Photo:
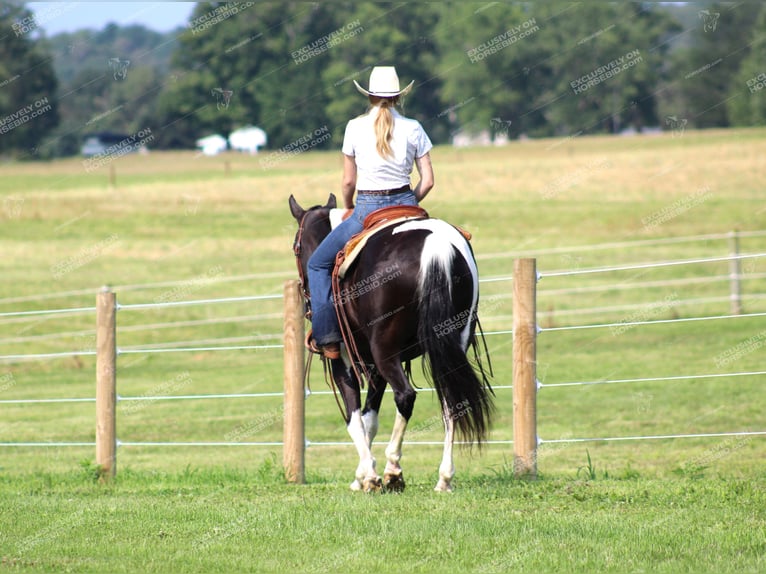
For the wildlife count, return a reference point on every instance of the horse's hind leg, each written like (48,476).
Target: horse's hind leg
(404,398)
(447,466)
(366,478)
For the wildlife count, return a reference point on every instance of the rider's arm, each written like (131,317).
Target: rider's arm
(348,185)
(426,171)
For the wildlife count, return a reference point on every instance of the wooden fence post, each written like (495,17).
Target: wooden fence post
(106,382)
(735,272)
(294,447)
(524,368)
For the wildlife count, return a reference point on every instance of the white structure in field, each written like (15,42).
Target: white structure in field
(248,139)
(212,145)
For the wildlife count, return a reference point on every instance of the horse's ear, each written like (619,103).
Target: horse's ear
(332,203)
(296,209)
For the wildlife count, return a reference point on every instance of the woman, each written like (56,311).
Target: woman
(379,149)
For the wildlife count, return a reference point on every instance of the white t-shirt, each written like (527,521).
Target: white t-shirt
(374,172)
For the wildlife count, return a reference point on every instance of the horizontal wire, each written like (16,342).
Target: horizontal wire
(202,342)
(194,349)
(198,302)
(74,310)
(652,379)
(388,390)
(496,279)
(140,286)
(198,397)
(653,437)
(45,356)
(130,443)
(406,442)
(423,443)
(645,284)
(647,265)
(614,308)
(658,321)
(197,322)
(422,389)
(506,332)
(37,401)
(617,245)
(47,312)
(151,327)
(47,444)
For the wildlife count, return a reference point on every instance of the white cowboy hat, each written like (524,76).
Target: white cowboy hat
(384,83)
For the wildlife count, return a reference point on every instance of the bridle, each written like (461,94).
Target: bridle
(297,246)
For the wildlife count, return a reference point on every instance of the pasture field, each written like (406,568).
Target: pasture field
(174,227)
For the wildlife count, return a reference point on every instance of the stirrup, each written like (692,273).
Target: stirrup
(323,351)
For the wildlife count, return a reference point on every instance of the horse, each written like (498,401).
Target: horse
(413,291)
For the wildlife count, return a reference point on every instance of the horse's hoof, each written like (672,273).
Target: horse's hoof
(443,486)
(393,482)
(372,484)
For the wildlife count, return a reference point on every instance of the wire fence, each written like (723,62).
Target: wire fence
(198,346)
(621,326)
(510,254)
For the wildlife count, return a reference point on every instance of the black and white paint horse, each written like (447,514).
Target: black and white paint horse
(413,291)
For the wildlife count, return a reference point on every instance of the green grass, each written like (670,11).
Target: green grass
(217,520)
(178,227)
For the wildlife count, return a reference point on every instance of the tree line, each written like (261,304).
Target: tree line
(507,69)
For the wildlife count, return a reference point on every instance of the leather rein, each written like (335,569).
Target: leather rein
(301,275)
(329,379)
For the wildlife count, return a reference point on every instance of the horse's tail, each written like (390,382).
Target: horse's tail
(444,334)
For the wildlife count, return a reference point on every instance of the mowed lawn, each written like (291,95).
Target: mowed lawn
(173,227)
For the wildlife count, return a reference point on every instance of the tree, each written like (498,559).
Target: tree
(491,61)
(746,105)
(289,68)
(28,106)
(234,67)
(553,68)
(109,81)
(400,35)
(705,72)
(606,64)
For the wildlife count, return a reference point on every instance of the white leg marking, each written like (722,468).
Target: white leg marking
(366,477)
(394,448)
(370,421)
(447,467)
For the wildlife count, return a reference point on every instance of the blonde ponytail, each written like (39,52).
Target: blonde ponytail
(384,125)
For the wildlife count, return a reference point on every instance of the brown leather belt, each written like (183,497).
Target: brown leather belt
(402,189)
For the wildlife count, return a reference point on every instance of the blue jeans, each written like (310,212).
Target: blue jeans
(324,321)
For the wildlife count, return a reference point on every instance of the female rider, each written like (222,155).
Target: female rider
(379,149)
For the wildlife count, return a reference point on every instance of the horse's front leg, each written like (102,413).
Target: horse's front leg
(375,392)
(447,466)
(366,478)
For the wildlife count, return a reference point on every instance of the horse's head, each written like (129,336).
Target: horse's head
(313,226)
